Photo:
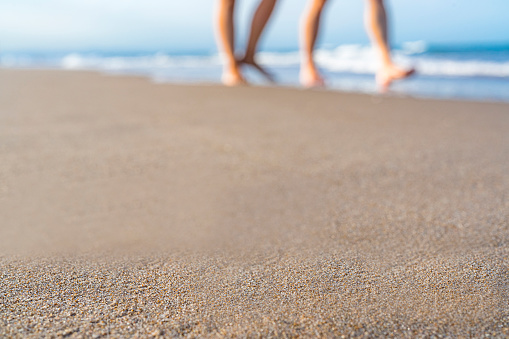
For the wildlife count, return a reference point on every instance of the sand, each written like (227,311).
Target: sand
(133,209)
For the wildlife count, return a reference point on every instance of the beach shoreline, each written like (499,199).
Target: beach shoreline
(134,208)
(340,83)
(471,72)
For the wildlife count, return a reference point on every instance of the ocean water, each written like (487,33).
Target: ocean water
(475,72)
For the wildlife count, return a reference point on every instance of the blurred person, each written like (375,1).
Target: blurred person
(225,32)
(377,27)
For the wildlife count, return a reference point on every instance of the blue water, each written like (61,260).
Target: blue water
(473,72)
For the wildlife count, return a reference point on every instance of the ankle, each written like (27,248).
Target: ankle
(248,57)
(309,66)
(387,64)
(231,68)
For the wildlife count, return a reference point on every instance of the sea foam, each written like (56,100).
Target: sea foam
(443,71)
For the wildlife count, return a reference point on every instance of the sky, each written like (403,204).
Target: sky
(179,26)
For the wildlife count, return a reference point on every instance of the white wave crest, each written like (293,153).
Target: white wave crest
(156,61)
(355,59)
(363,60)
(462,68)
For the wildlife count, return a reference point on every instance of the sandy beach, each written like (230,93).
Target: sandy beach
(134,209)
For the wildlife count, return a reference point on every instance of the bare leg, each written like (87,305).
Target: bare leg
(260,19)
(376,25)
(226,42)
(310,24)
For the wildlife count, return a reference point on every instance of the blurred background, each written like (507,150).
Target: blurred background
(460,48)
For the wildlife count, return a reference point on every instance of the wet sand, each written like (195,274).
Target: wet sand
(136,209)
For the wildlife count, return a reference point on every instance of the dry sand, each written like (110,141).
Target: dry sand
(135,209)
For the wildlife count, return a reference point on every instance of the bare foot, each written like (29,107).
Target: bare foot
(311,78)
(252,63)
(386,75)
(233,77)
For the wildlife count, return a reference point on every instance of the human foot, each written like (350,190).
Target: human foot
(386,75)
(232,77)
(252,63)
(311,78)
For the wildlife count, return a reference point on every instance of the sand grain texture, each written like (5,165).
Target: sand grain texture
(136,209)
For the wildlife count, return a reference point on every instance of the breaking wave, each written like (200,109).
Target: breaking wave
(355,59)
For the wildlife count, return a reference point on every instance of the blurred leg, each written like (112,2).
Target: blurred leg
(260,19)
(376,25)
(226,42)
(310,25)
